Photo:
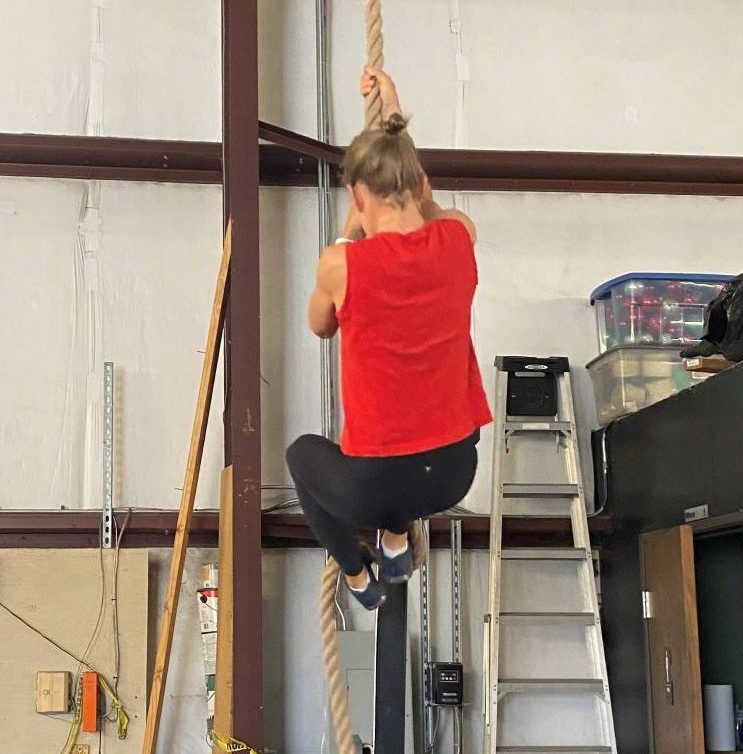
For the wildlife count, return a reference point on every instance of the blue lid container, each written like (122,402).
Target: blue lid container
(654,308)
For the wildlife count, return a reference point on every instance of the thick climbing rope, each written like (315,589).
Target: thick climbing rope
(373,119)
(374,58)
(418,543)
(337,696)
(337,693)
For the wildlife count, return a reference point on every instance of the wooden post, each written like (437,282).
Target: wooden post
(223,722)
(195,451)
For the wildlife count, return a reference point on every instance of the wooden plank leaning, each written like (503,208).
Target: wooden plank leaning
(180,545)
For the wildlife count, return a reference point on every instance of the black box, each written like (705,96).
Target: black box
(532,383)
(445,684)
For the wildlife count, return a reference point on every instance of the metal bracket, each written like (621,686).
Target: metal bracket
(108,455)
(425,650)
(456,589)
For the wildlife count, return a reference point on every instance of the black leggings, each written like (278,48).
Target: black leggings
(341,493)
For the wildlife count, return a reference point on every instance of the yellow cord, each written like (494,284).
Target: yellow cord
(122,719)
(230,744)
(76,721)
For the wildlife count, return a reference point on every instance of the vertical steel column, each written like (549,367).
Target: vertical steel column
(242,357)
(327,355)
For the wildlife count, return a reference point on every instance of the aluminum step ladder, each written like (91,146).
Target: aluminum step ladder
(545,682)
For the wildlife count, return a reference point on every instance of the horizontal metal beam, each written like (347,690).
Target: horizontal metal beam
(48,529)
(280,166)
(109,158)
(583,172)
(582,166)
(290,159)
(299,143)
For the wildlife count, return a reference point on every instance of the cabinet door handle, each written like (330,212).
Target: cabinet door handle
(668,686)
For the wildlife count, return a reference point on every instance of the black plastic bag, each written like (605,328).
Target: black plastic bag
(723,324)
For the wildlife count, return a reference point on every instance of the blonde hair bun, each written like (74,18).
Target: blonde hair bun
(385,160)
(395,124)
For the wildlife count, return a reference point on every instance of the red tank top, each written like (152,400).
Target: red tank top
(409,377)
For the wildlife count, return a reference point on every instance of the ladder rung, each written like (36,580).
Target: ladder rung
(545,553)
(537,507)
(540,490)
(585,619)
(550,685)
(598,749)
(531,426)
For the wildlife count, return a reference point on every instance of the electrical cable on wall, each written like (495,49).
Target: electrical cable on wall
(76,720)
(117,712)
(122,716)
(115,611)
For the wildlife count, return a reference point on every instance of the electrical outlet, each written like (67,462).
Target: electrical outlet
(81,749)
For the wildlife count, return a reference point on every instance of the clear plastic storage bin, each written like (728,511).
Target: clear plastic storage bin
(660,309)
(626,379)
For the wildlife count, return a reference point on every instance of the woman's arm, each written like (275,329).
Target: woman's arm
(329,288)
(372,78)
(322,319)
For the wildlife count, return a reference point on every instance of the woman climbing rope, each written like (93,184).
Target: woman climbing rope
(399,286)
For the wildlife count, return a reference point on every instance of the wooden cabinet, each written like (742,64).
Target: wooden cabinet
(675,684)
(693,619)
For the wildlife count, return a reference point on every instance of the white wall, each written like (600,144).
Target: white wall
(112,68)
(615,75)
(593,75)
(141,299)
(605,76)
(37,296)
(290,359)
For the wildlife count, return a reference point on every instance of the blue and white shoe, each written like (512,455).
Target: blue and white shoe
(397,569)
(372,596)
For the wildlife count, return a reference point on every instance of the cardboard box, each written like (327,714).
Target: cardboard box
(53,691)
